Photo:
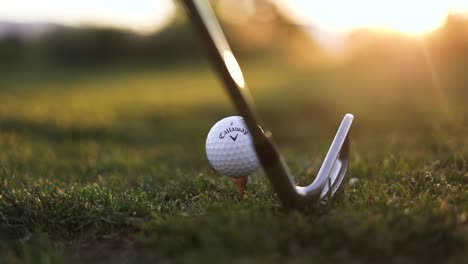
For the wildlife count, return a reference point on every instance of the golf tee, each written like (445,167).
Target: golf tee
(240,183)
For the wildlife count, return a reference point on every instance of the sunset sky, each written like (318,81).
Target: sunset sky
(415,16)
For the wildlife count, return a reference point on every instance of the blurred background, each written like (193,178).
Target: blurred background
(300,32)
(107,64)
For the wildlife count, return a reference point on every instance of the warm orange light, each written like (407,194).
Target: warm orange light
(414,17)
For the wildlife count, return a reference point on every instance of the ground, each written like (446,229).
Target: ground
(107,165)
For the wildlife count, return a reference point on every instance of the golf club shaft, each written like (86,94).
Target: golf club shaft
(225,64)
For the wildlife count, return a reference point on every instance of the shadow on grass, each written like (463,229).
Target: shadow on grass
(128,129)
(51,131)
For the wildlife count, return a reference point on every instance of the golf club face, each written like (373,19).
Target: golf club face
(335,164)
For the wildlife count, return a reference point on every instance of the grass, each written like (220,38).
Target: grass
(109,166)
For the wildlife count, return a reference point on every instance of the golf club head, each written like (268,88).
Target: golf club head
(335,164)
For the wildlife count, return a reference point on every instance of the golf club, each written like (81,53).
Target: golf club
(335,164)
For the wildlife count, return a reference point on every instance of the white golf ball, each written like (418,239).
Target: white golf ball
(230,149)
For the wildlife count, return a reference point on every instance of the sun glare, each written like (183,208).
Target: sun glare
(411,17)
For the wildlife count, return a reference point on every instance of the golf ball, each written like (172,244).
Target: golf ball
(230,149)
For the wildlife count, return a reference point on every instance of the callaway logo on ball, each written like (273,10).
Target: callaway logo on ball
(230,150)
(236,130)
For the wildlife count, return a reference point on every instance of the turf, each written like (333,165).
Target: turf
(108,166)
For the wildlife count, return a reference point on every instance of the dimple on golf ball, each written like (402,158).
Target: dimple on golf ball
(230,149)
